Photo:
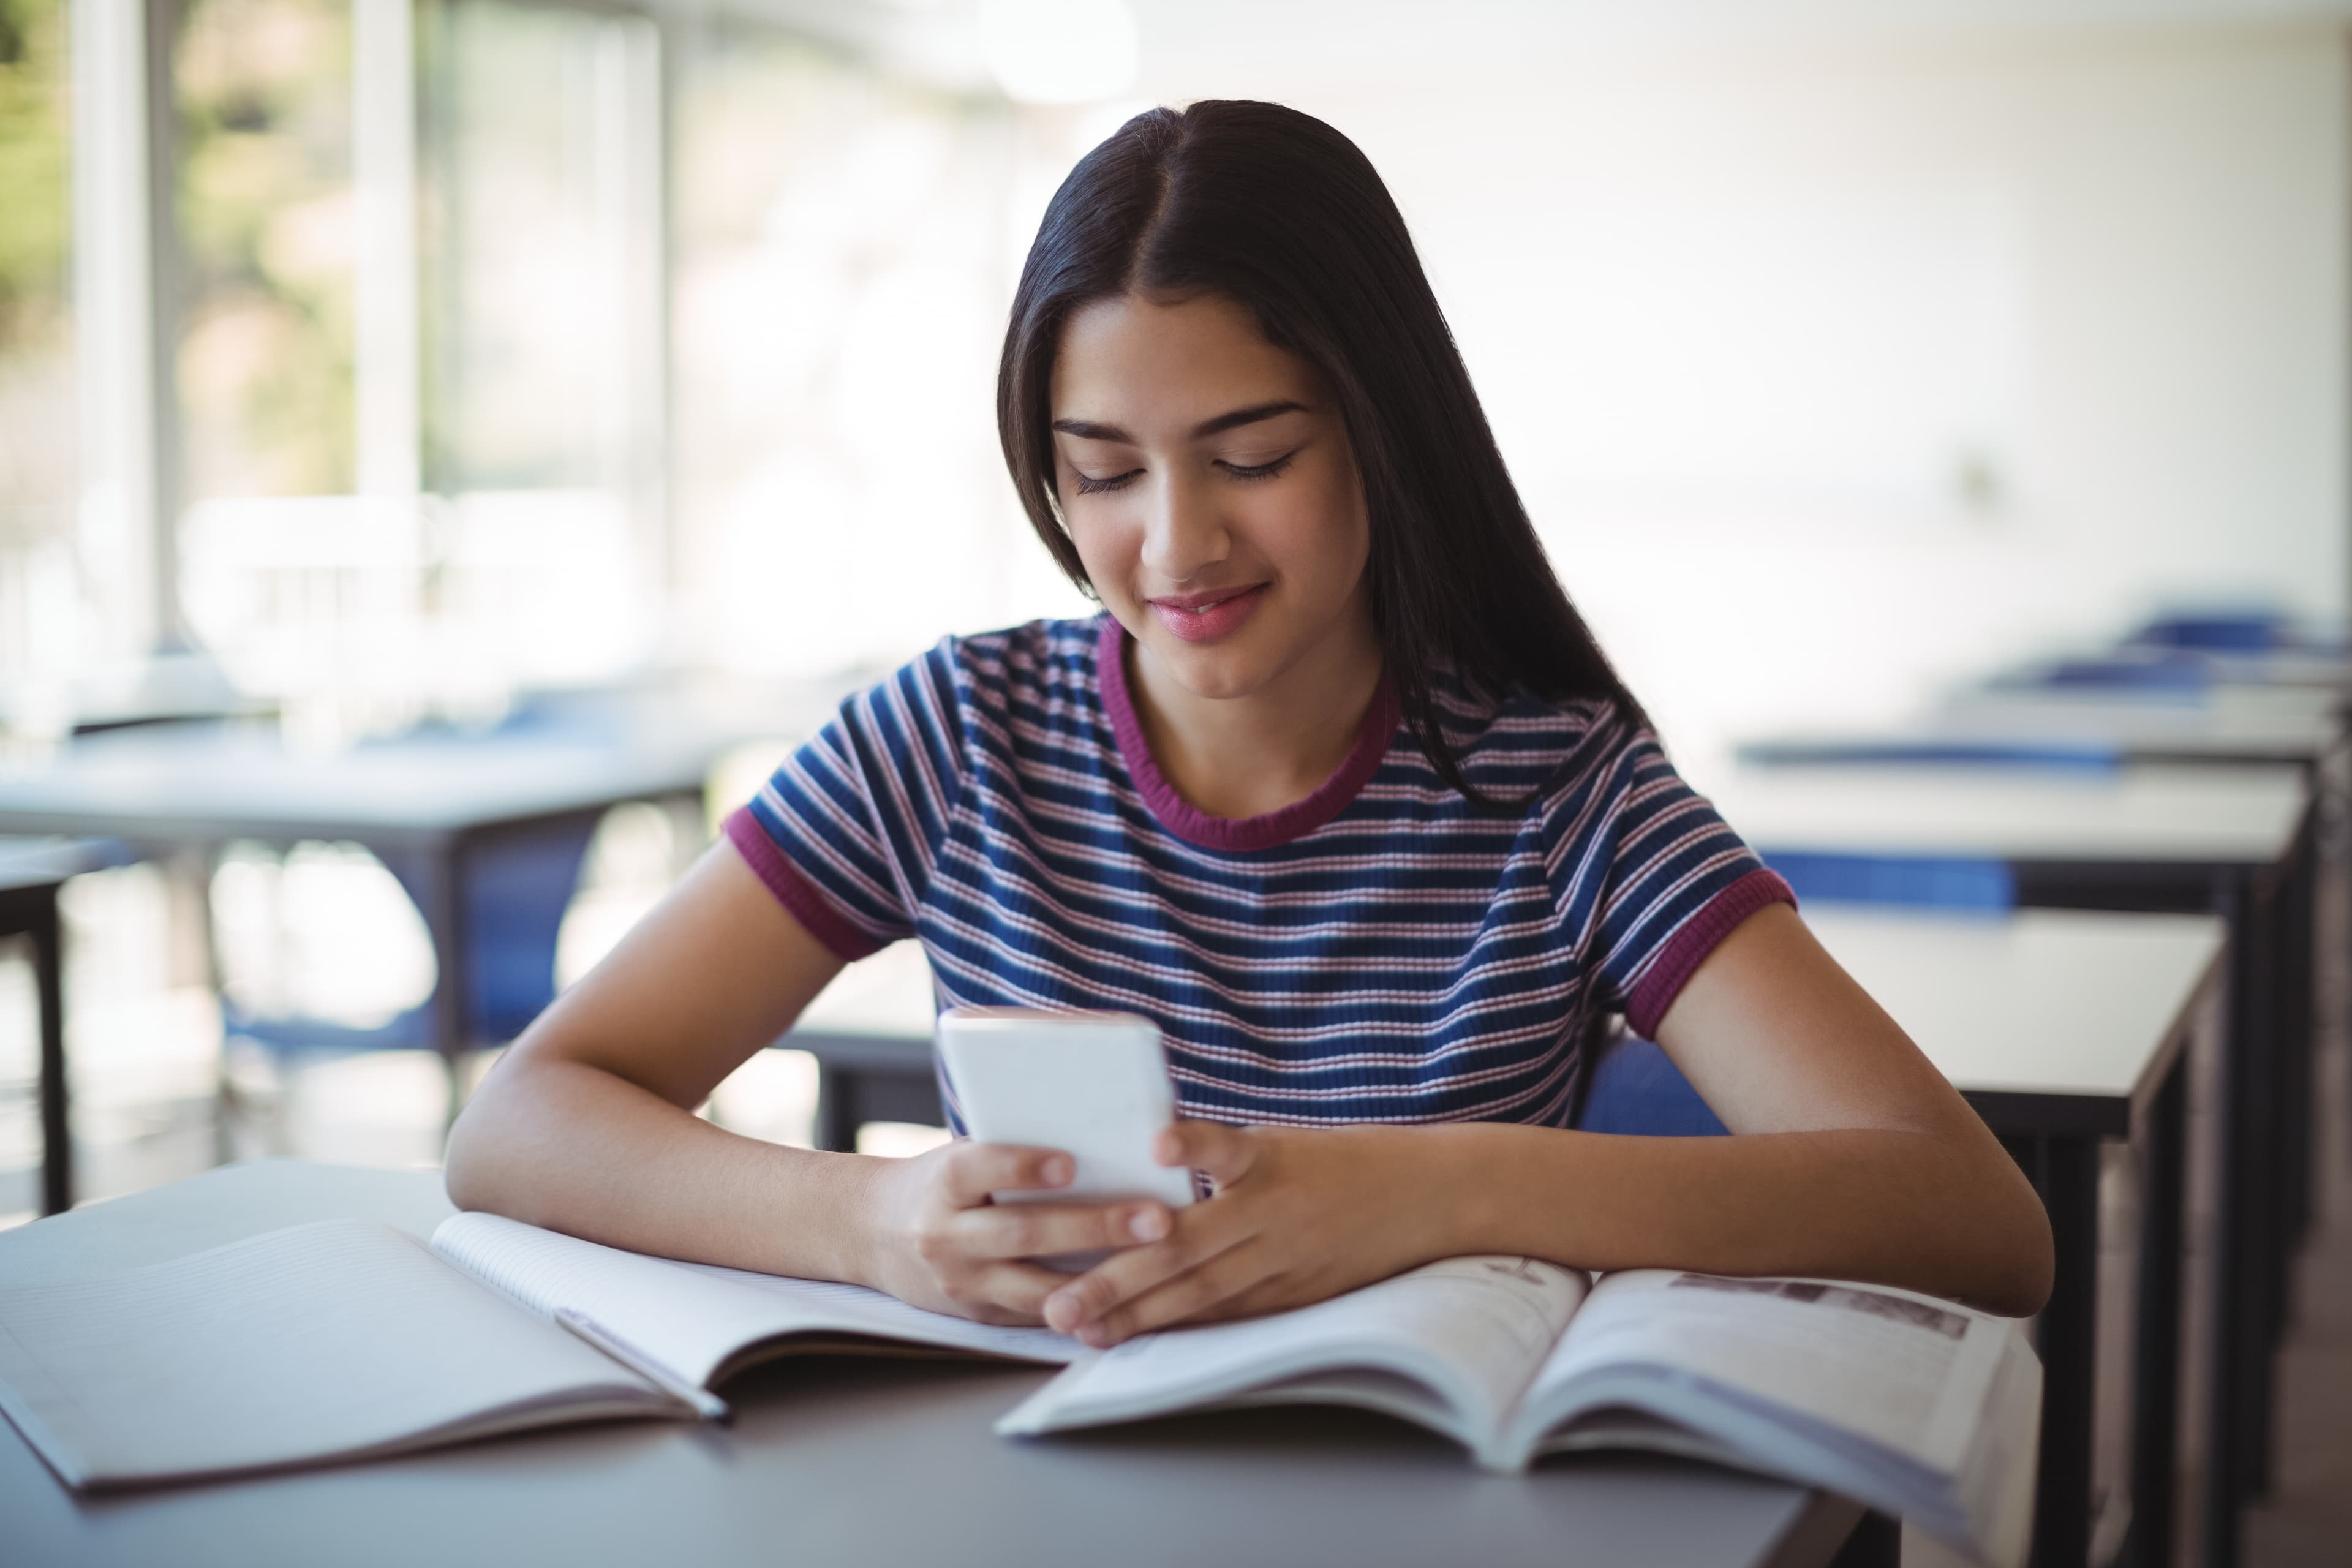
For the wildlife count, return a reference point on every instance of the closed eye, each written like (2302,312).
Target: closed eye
(1089,485)
(1258,470)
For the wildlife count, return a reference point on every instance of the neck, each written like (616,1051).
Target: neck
(1245,756)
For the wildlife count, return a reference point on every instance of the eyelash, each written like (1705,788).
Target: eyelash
(1246,473)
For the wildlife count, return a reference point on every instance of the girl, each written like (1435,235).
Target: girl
(1339,790)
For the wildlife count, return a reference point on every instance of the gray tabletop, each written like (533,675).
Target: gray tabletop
(45,862)
(205,782)
(2075,1010)
(855,1462)
(2149,814)
(2246,726)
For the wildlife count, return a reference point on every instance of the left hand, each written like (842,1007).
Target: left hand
(1299,1215)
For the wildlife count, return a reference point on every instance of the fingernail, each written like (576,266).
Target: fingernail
(1061,1312)
(1057,1170)
(1148,1225)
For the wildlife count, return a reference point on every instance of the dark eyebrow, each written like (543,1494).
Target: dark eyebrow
(1086,430)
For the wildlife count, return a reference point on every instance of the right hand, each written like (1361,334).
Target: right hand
(935,1240)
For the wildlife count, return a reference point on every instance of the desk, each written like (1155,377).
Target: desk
(2235,842)
(423,805)
(2129,731)
(2064,1029)
(30,874)
(858,1463)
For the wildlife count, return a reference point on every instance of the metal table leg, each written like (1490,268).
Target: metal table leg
(2238,1411)
(2155,1405)
(2065,1171)
(31,910)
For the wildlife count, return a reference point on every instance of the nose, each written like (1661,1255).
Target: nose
(1183,533)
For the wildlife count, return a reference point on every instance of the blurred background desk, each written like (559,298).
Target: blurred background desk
(485,833)
(2068,1030)
(2236,842)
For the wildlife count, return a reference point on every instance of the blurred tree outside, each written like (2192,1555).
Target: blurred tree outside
(36,407)
(266,237)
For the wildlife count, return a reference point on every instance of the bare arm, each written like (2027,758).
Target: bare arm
(1852,1157)
(586,1126)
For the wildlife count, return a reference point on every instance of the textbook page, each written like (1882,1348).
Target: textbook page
(330,1340)
(694,1317)
(1906,1371)
(1474,1330)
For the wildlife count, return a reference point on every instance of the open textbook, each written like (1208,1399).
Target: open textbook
(348,1338)
(1913,1405)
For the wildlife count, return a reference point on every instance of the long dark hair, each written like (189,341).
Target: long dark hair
(1277,211)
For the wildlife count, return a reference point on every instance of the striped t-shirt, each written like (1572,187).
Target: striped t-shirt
(1381,951)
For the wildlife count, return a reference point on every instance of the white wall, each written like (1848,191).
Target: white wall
(1835,371)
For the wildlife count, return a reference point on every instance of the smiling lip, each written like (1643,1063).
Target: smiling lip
(1205,617)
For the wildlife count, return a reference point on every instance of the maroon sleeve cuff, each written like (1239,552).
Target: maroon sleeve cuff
(1688,948)
(792,891)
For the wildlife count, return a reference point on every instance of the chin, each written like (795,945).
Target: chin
(1216,671)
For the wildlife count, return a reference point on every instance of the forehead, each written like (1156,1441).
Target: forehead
(1135,362)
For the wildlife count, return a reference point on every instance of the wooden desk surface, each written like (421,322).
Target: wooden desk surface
(857,1462)
(2149,814)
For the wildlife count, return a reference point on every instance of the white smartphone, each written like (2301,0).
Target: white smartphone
(1094,1085)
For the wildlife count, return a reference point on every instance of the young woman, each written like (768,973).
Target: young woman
(1339,791)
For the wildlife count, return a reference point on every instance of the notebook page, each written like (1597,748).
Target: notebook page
(327,1339)
(693,1316)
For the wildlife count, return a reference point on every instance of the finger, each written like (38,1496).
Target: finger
(973,1171)
(1225,1153)
(1015,1294)
(1199,1234)
(1193,1295)
(1041,1230)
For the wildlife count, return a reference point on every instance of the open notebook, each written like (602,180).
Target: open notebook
(348,1338)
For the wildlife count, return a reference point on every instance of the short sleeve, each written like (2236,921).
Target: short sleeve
(1659,883)
(846,832)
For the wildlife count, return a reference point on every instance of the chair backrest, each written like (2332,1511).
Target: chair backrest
(1633,1088)
(515,892)
(1906,881)
(2251,631)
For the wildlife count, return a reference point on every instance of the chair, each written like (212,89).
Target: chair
(515,893)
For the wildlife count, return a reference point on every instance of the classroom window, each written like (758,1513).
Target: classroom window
(839,292)
(38,477)
(262,93)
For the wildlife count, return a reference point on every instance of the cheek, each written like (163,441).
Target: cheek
(1105,546)
(1319,533)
